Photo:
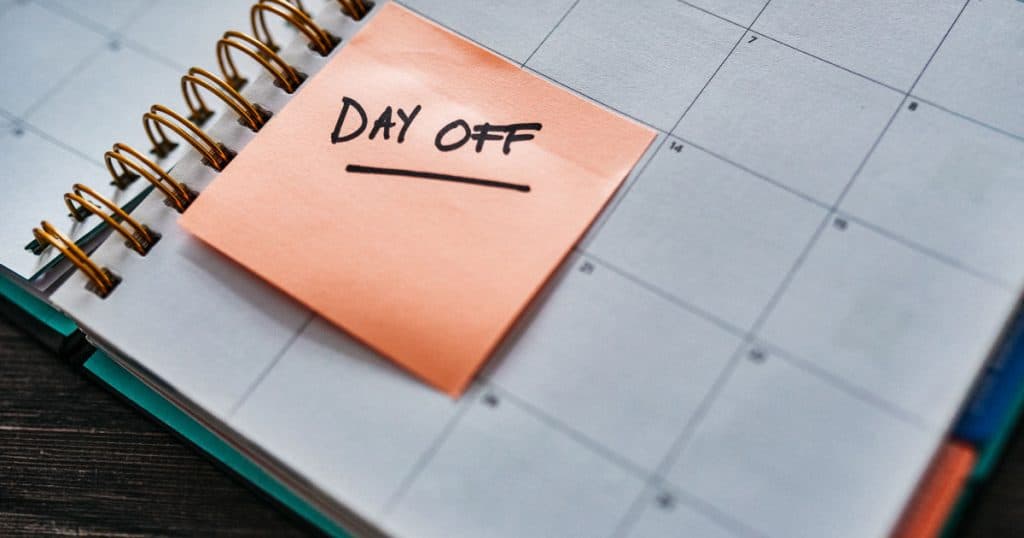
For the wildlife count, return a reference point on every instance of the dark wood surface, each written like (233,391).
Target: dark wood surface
(75,460)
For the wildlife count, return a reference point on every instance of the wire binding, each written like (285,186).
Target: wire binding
(285,76)
(319,40)
(298,4)
(159,116)
(249,114)
(126,164)
(178,195)
(102,281)
(357,9)
(139,237)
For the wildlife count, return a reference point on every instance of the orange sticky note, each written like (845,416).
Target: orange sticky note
(423,229)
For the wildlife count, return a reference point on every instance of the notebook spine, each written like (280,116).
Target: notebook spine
(126,164)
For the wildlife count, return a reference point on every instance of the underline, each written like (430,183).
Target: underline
(360,169)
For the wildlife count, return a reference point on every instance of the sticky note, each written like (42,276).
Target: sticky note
(417,192)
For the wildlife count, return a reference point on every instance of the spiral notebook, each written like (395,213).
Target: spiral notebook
(768,331)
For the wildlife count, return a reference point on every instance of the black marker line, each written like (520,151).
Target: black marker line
(360,169)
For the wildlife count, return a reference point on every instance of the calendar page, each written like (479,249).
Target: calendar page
(768,332)
(773,326)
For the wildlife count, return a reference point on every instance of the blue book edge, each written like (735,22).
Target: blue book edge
(128,386)
(988,456)
(990,416)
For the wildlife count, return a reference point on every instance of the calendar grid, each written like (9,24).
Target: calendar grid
(721,17)
(551,421)
(458,33)
(829,62)
(23,117)
(153,55)
(62,83)
(985,276)
(738,528)
(833,207)
(115,36)
(94,26)
(903,102)
(911,419)
(676,451)
(270,365)
(612,457)
(612,207)
(658,480)
(767,179)
(18,123)
(552,31)
(787,280)
(970,119)
(680,302)
(909,93)
(659,477)
(471,398)
(747,337)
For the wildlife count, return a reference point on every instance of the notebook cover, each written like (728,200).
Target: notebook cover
(991,417)
(120,381)
(37,318)
(995,398)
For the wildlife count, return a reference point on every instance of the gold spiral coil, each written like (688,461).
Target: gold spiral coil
(319,40)
(298,4)
(134,165)
(285,76)
(197,77)
(357,9)
(139,237)
(101,280)
(126,164)
(159,116)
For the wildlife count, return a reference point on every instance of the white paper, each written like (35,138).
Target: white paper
(768,332)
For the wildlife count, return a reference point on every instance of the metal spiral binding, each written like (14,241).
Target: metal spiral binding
(101,280)
(126,164)
(319,39)
(249,114)
(137,236)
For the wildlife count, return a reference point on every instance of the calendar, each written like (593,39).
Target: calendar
(768,331)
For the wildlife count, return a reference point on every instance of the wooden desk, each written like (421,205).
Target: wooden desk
(76,460)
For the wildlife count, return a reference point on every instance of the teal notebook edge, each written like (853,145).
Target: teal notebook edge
(37,308)
(119,380)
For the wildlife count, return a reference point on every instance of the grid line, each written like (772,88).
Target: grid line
(270,365)
(859,74)
(677,451)
(428,455)
(637,507)
(555,27)
(748,336)
(619,198)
